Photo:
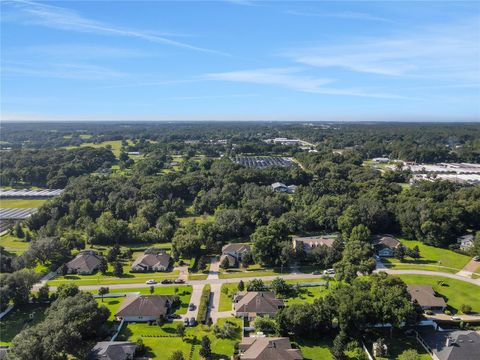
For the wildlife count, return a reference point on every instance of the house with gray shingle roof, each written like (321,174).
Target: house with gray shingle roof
(426,298)
(385,245)
(85,263)
(113,350)
(152,262)
(450,344)
(144,308)
(235,252)
(256,303)
(268,348)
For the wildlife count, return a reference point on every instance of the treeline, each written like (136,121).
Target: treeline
(51,168)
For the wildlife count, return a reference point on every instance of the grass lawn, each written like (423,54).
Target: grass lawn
(432,258)
(13,244)
(115,144)
(307,295)
(200,219)
(318,349)
(18,319)
(161,342)
(184,293)
(456,292)
(21,203)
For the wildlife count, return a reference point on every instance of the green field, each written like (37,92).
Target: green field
(184,292)
(115,144)
(431,258)
(161,342)
(21,203)
(13,244)
(18,319)
(318,349)
(456,292)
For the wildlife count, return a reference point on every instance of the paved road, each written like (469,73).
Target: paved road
(286,277)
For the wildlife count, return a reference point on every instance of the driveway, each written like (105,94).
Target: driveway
(443,317)
(471,267)
(195,299)
(214,269)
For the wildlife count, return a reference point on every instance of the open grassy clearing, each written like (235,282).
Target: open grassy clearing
(13,244)
(115,144)
(456,292)
(162,341)
(317,349)
(431,258)
(18,319)
(21,203)
(184,292)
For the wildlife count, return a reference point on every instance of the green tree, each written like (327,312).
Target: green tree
(103,291)
(410,354)
(152,289)
(280,287)
(44,293)
(241,286)
(205,351)
(103,265)
(256,285)
(117,269)
(176,355)
(180,330)
(67,290)
(266,325)
(356,258)
(18,231)
(360,233)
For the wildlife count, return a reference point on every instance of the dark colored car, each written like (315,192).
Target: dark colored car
(191,306)
(166,281)
(192,321)
(185,321)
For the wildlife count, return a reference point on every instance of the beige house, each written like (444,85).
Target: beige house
(256,303)
(308,243)
(85,263)
(152,262)
(234,253)
(144,308)
(268,348)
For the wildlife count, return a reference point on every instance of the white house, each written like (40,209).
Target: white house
(466,242)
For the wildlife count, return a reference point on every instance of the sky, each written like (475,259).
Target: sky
(240,60)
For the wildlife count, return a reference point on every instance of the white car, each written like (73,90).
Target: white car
(456,318)
(329,272)
(150,282)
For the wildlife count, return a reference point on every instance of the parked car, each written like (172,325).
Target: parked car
(150,282)
(378,258)
(166,281)
(192,322)
(185,321)
(191,306)
(329,272)
(179,281)
(476,258)
(456,318)
(316,272)
(173,316)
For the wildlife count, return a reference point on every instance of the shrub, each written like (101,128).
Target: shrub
(203,306)
(429,312)
(229,330)
(466,309)
(448,312)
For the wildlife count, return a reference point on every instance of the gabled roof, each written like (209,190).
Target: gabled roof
(278,185)
(452,344)
(150,260)
(425,296)
(268,348)
(144,305)
(85,261)
(258,302)
(386,241)
(238,248)
(319,240)
(112,350)
(232,261)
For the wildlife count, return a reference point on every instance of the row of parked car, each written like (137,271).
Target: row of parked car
(165,281)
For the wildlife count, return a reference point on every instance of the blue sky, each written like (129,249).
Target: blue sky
(240,60)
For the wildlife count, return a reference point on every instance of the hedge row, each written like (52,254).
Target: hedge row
(203,306)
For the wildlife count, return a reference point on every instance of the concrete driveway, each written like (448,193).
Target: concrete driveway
(195,299)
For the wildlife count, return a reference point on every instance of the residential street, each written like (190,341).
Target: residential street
(269,278)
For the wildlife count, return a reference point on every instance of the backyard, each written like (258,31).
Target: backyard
(18,319)
(162,341)
(431,258)
(396,343)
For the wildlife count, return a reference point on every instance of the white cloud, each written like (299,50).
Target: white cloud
(436,52)
(290,78)
(28,12)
